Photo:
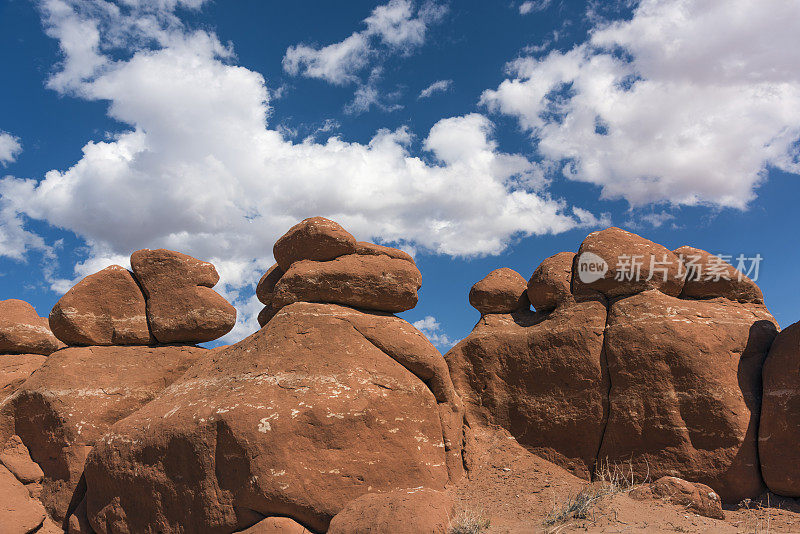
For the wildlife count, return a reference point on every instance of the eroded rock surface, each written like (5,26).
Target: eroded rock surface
(418,511)
(22,331)
(501,291)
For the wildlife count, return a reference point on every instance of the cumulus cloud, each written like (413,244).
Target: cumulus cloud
(689,102)
(10,147)
(433,331)
(439,86)
(198,169)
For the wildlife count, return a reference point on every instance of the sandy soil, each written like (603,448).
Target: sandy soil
(517,491)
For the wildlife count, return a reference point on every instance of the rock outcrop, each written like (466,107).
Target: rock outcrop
(105,308)
(319,261)
(708,276)
(501,291)
(324,404)
(181,306)
(616,367)
(779,431)
(22,331)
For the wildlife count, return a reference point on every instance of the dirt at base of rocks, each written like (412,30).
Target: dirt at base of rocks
(517,491)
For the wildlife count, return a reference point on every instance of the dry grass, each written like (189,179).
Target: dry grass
(469,522)
(759,517)
(608,480)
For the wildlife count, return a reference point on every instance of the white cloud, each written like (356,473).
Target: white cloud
(200,171)
(395,27)
(10,148)
(532,6)
(439,86)
(689,102)
(433,331)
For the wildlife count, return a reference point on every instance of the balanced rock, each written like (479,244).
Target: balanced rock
(540,376)
(708,276)
(370,282)
(779,430)
(105,308)
(15,369)
(551,282)
(501,291)
(417,511)
(616,263)
(322,405)
(686,390)
(181,306)
(317,239)
(22,331)
(265,290)
(75,397)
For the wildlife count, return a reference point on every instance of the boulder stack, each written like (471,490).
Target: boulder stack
(627,362)
(324,404)
(319,261)
(116,325)
(501,291)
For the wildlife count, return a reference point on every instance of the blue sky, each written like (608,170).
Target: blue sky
(210,127)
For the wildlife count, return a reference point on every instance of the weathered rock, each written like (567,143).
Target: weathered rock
(417,511)
(181,306)
(686,390)
(15,369)
(371,249)
(696,497)
(779,429)
(105,308)
(317,408)
(708,276)
(634,264)
(266,313)
(75,397)
(540,376)
(501,291)
(277,525)
(22,331)
(550,285)
(266,286)
(369,282)
(19,513)
(317,239)
(17,459)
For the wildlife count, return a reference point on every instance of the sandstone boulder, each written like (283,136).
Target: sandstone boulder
(779,430)
(16,458)
(501,291)
(317,239)
(265,290)
(19,513)
(105,308)
(322,405)
(22,331)
(686,390)
(632,264)
(708,276)
(276,525)
(418,511)
(181,306)
(15,369)
(550,284)
(369,282)
(364,248)
(266,313)
(75,397)
(696,497)
(541,377)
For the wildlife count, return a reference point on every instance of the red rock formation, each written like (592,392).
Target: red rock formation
(105,308)
(417,511)
(779,432)
(550,283)
(322,405)
(697,497)
(501,291)
(316,239)
(75,397)
(19,512)
(181,306)
(15,369)
(708,276)
(22,331)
